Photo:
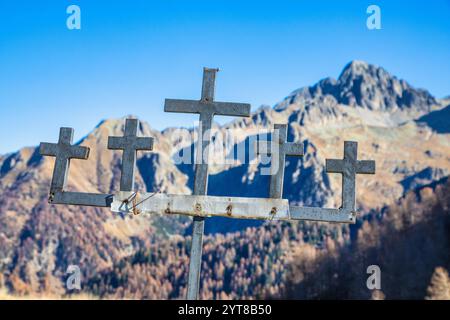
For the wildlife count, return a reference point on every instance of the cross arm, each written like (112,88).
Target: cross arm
(81,199)
(79,152)
(138,143)
(48,149)
(293,149)
(182,106)
(144,143)
(366,166)
(52,149)
(216,108)
(334,166)
(231,109)
(322,214)
(115,143)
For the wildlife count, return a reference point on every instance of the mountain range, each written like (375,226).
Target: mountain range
(404,129)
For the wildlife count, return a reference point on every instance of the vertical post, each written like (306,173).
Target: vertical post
(207,108)
(349,167)
(278,148)
(349,175)
(278,161)
(201,185)
(130,143)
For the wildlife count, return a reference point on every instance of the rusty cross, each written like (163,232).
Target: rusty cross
(278,148)
(130,143)
(63,151)
(207,108)
(349,167)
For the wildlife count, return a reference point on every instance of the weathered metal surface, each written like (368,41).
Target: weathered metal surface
(230,207)
(63,151)
(349,167)
(201,206)
(279,148)
(207,108)
(322,214)
(130,143)
(81,199)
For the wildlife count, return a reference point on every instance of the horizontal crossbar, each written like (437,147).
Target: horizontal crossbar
(204,206)
(322,214)
(81,199)
(232,207)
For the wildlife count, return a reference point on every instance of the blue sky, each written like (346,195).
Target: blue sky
(130,55)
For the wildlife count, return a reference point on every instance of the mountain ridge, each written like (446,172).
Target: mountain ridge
(40,240)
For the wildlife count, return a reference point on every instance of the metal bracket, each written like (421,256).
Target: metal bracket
(81,199)
(201,206)
(230,207)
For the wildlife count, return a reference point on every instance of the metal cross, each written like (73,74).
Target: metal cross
(207,108)
(130,143)
(63,151)
(279,148)
(349,167)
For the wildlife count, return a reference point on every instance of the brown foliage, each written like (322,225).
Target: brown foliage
(439,288)
(407,241)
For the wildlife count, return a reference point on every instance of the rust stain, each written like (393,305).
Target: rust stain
(229,210)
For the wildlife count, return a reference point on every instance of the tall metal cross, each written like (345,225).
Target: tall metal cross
(279,148)
(349,167)
(63,151)
(130,143)
(207,108)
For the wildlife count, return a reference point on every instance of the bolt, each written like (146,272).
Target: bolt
(229,209)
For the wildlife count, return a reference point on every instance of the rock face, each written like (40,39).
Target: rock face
(438,120)
(369,87)
(393,123)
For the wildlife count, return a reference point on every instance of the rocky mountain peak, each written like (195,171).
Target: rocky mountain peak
(366,86)
(359,67)
(372,87)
